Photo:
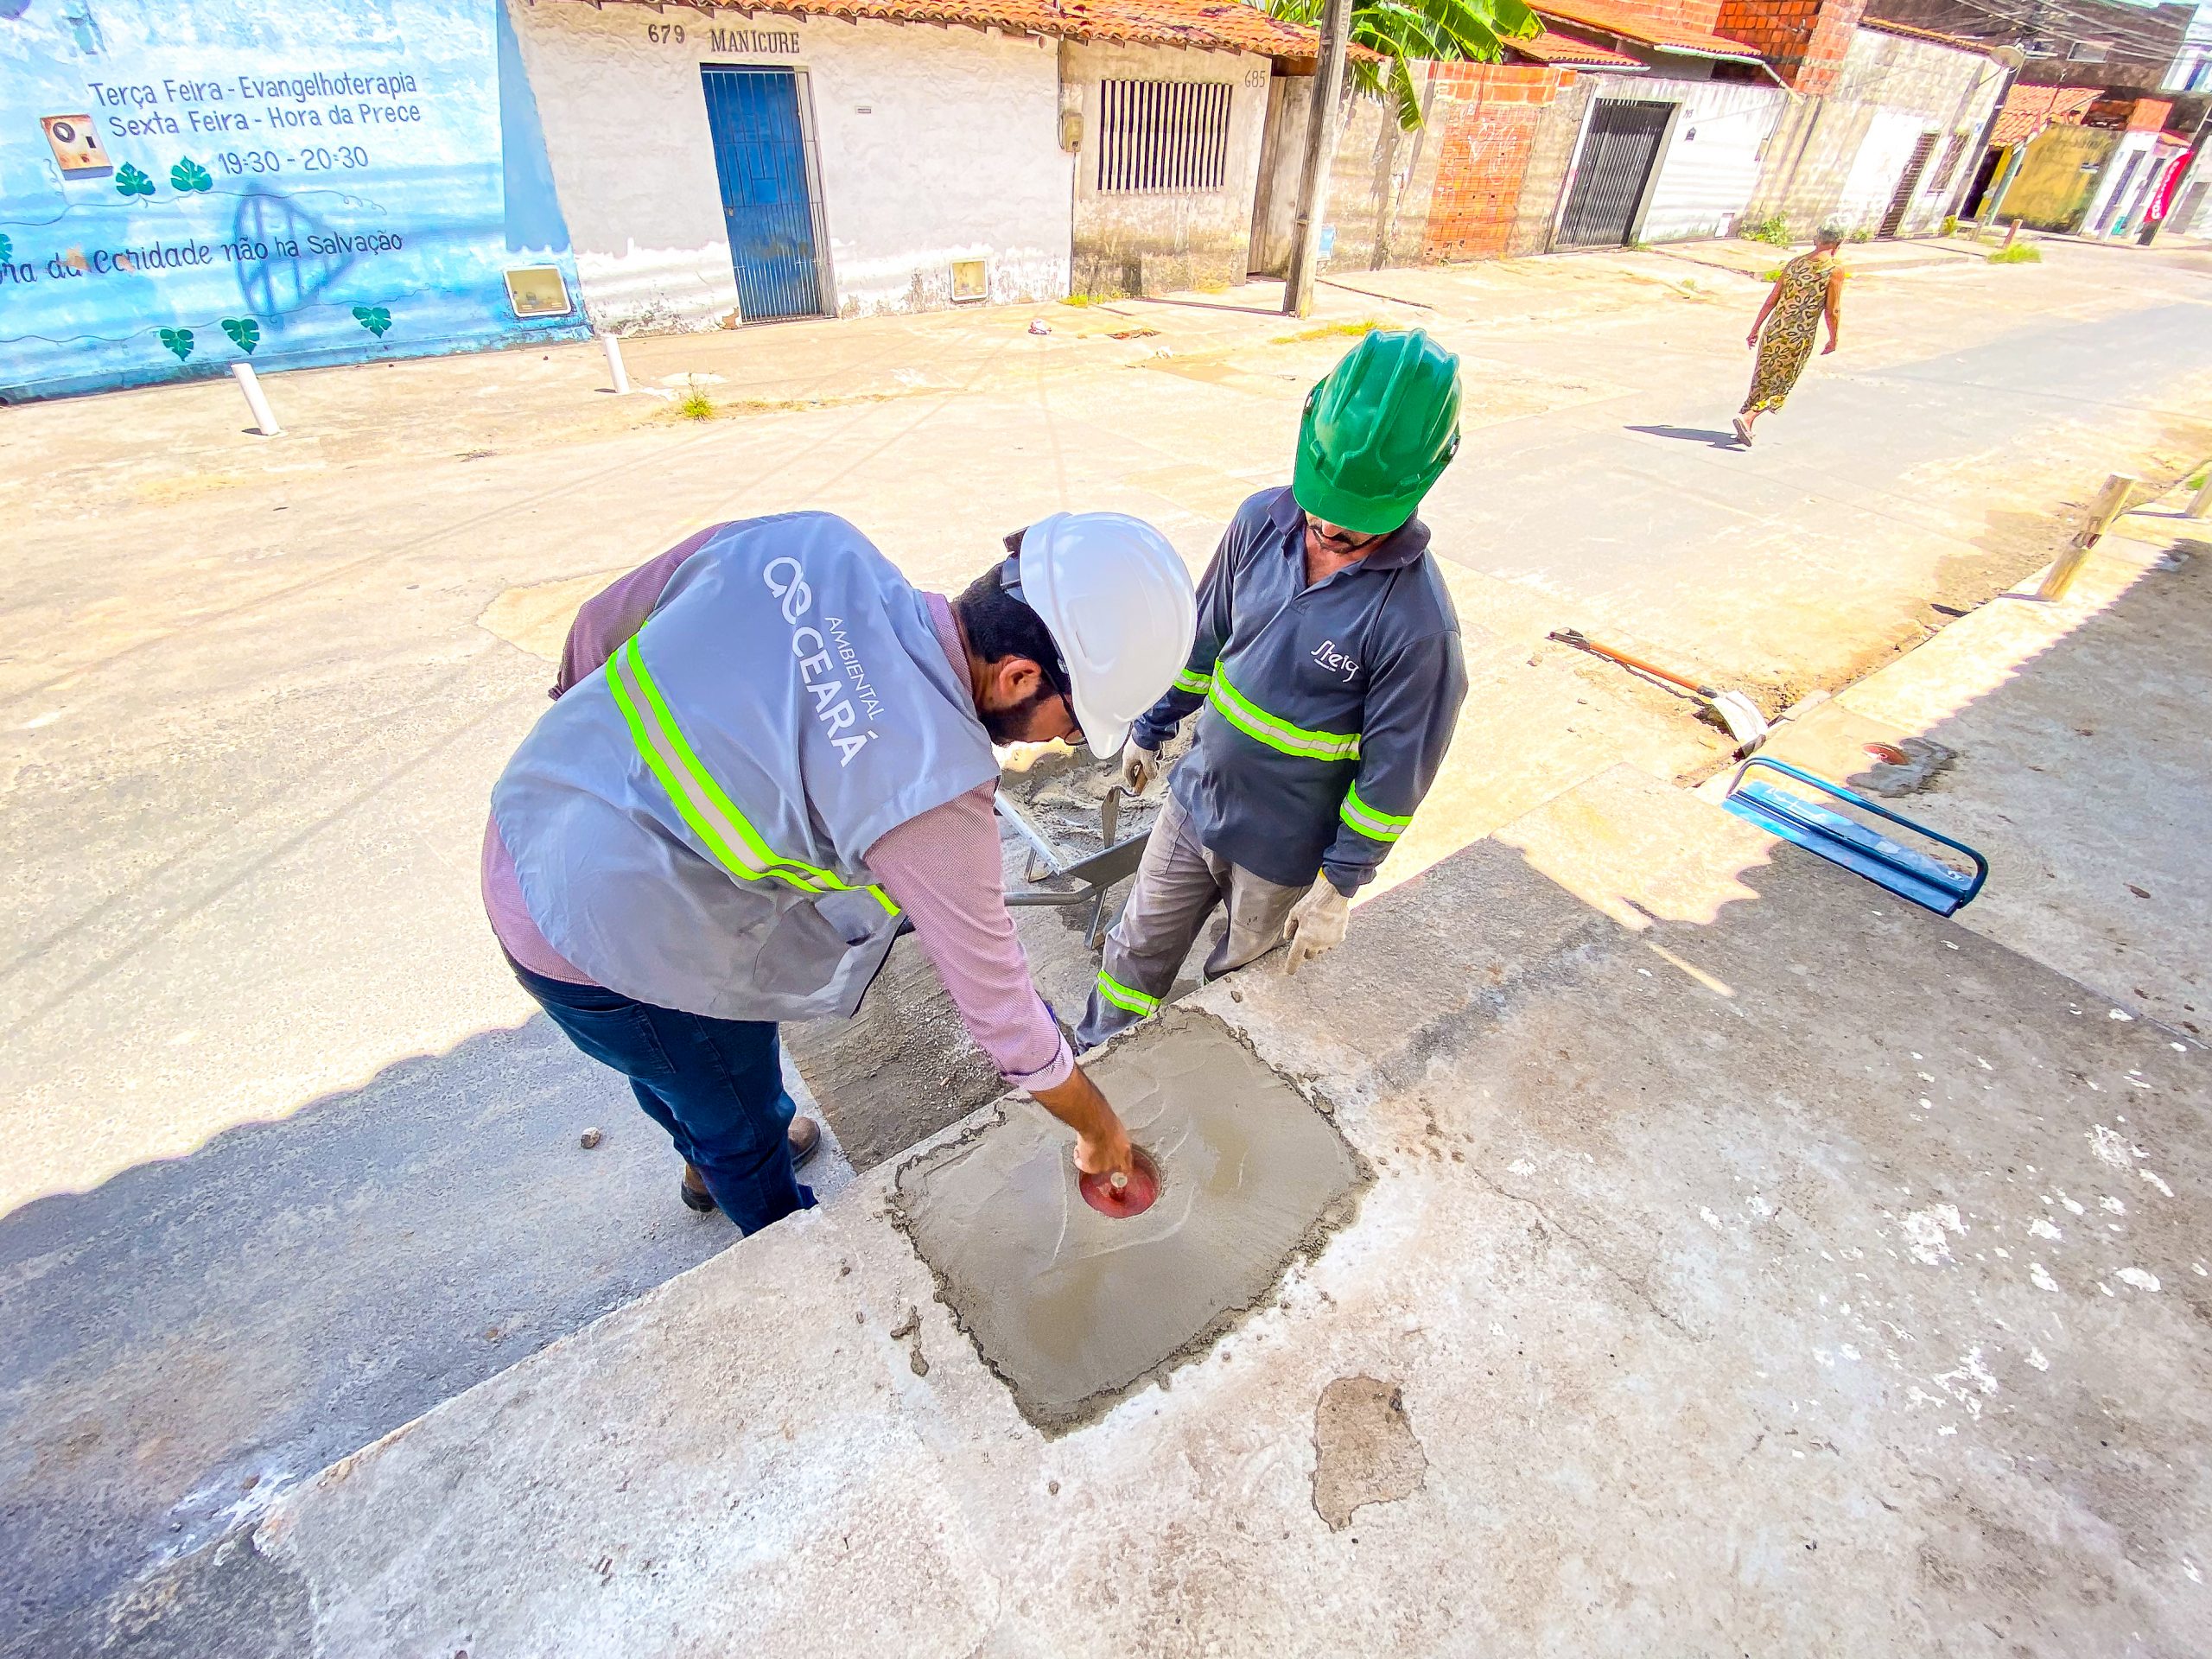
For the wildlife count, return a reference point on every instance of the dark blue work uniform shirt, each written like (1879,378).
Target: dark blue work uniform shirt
(1326,710)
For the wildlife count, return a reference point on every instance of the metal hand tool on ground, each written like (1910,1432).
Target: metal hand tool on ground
(1908,872)
(1095,876)
(1736,711)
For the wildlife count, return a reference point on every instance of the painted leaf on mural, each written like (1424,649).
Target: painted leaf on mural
(187,175)
(374,318)
(129,181)
(178,340)
(7,249)
(245,333)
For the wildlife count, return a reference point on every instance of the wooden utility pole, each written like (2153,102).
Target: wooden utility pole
(1320,147)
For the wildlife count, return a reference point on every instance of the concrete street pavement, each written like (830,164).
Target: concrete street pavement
(254,693)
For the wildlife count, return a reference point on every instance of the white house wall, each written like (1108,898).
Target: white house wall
(1881,162)
(1145,242)
(933,144)
(1711,163)
(2103,205)
(1936,89)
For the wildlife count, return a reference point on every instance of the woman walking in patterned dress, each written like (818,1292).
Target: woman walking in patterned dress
(1810,287)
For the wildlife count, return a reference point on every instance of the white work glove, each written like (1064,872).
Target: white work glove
(1317,923)
(1140,766)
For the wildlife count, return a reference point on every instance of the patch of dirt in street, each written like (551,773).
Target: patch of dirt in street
(536,618)
(2012,546)
(159,492)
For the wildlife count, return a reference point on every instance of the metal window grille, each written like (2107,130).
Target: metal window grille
(1163,136)
(1952,156)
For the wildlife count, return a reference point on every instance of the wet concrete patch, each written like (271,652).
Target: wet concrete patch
(1072,1309)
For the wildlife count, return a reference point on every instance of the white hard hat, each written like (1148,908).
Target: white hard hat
(1117,600)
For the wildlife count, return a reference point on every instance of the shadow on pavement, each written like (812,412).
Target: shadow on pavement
(1691,435)
(194,1334)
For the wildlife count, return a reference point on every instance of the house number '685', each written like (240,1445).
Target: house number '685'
(665,33)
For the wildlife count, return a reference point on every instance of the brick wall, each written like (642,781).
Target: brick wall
(1486,117)
(1806,41)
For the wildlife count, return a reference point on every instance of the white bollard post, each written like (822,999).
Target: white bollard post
(614,350)
(249,383)
(2201,503)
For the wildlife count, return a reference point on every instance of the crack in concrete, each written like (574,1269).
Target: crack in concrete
(1637,1288)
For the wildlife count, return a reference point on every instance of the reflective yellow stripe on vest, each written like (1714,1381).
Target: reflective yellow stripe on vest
(1376,826)
(714,817)
(1261,726)
(1196,684)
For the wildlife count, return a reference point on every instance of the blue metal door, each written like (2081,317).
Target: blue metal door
(760,154)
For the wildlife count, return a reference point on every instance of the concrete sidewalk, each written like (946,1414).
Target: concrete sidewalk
(2066,742)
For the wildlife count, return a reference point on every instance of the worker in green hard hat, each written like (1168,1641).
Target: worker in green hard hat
(1326,677)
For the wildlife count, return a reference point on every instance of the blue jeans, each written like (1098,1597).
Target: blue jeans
(715,1086)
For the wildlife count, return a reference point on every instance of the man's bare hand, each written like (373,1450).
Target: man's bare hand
(1107,1155)
(1102,1145)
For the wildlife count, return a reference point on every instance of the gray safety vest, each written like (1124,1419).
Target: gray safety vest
(689,822)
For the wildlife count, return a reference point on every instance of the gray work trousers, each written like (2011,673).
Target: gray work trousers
(1177,887)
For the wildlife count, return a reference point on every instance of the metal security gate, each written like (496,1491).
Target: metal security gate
(1617,155)
(763,154)
(1908,185)
(2116,203)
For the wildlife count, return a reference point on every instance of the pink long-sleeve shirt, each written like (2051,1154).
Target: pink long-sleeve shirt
(943,866)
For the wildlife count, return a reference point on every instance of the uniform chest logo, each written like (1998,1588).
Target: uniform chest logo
(819,673)
(1337,661)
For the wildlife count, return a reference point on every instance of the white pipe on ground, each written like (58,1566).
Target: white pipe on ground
(249,383)
(613,347)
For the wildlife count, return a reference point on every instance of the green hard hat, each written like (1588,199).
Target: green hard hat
(1378,431)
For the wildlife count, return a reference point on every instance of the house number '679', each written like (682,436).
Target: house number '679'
(665,33)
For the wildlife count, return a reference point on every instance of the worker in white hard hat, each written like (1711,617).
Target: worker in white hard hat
(767,748)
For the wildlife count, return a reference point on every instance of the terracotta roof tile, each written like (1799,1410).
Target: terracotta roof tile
(1221,24)
(2029,110)
(1980,48)
(1607,18)
(1550,47)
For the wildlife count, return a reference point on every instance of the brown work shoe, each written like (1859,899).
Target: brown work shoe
(805,1137)
(695,1196)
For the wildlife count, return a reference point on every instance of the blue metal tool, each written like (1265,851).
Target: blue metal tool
(1909,874)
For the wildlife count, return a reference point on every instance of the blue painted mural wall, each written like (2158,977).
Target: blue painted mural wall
(187,185)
